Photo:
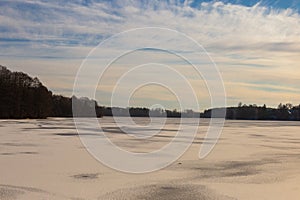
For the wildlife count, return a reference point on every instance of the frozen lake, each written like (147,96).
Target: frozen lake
(45,159)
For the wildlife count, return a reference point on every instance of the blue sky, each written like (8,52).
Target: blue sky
(277,4)
(255,44)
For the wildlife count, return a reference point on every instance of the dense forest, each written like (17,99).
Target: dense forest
(24,97)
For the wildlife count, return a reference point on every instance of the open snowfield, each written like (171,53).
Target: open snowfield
(45,159)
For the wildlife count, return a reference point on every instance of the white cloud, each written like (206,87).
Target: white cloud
(251,45)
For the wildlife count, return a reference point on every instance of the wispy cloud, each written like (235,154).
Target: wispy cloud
(252,43)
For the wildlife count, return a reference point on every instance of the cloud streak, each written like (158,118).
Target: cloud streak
(260,42)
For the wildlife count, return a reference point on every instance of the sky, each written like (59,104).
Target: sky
(254,44)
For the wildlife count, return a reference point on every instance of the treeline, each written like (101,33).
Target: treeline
(83,107)
(146,112)
(241,112)
(254,112)
(24,97)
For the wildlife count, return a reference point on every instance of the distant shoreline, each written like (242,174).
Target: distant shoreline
(25,97)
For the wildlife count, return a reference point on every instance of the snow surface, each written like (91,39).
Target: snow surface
(45,159)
